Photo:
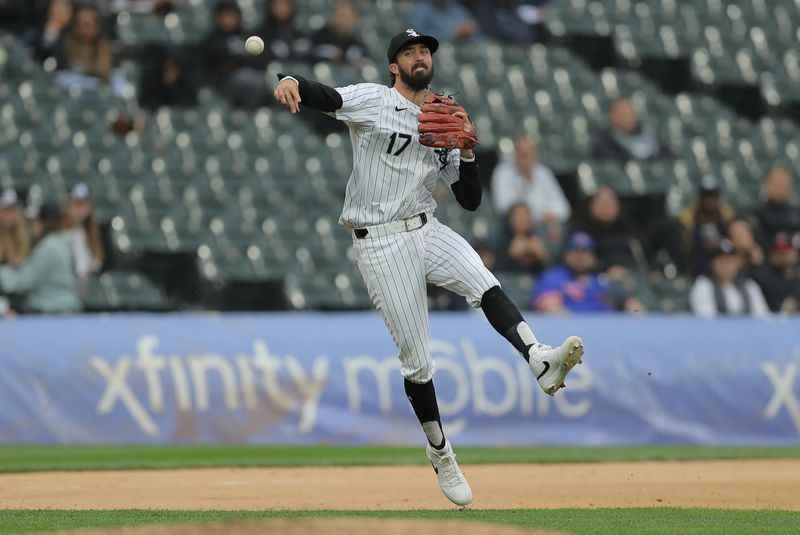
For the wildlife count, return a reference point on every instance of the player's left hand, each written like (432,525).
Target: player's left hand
(443,124)
(468,126)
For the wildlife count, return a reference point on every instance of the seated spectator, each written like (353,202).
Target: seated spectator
(509,21)
(778,213)
(46,281)
(81,49)
(280,33)
(167,82)
(15,242)
(446,20)
(529,181)
(726,291)
(520,250)
(780,279)
(235,73)
(704,223)
(87,241)
(744,243)
(575,286)
(626,137)
(337,41)
(619,248)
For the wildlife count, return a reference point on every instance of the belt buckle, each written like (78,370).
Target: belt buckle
(406,222)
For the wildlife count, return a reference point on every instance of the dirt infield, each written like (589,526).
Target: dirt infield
(754,484)
(327,527)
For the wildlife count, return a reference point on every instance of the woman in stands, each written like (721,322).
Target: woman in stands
(87,241)
(81,49)
(46,282)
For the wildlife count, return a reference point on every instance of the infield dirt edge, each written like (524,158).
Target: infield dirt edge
(745,484)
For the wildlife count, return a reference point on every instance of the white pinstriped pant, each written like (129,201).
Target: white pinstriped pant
(396,268)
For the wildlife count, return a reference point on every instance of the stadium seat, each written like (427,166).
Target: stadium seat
(125,291)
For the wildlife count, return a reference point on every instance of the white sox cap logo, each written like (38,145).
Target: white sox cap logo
(412,32)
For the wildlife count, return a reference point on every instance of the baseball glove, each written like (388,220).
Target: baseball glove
(440,128)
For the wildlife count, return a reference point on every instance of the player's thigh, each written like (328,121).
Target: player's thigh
(394,273)
(452,263)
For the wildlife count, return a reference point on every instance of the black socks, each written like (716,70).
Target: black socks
(423,401)
(506,319)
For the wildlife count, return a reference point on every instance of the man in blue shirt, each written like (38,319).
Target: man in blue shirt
(573,286)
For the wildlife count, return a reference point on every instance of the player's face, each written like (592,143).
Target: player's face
(415,66)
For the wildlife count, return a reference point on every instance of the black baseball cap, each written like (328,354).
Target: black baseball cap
(409,37)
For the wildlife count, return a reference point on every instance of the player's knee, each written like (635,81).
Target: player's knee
(419,373)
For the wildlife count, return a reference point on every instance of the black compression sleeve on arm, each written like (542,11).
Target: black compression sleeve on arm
(467,188)
(316,95)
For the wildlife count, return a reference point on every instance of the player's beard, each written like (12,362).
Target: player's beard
(418,82)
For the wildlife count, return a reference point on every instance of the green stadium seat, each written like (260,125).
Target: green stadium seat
(126,291)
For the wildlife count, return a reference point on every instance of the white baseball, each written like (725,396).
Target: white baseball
(254,45)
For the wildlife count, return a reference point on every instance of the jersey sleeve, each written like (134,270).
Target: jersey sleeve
(360,103)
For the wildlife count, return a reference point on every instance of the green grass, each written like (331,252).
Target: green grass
(22,458)
(580,521)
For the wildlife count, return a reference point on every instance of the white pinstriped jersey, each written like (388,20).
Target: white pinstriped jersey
(393,175)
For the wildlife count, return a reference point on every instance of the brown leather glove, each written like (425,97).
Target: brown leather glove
(444,124)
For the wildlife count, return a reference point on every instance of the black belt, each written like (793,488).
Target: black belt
(397,226)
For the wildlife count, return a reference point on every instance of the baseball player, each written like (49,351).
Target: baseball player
(400,246)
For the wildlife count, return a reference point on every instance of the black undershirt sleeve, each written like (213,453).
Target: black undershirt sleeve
(467,188)
(316,95)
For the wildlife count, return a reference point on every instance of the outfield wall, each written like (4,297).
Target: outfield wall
(333,378)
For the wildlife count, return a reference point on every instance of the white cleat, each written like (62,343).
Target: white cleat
(452,481)
(551,365)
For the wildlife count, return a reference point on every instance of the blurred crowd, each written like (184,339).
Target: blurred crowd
(742,260)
